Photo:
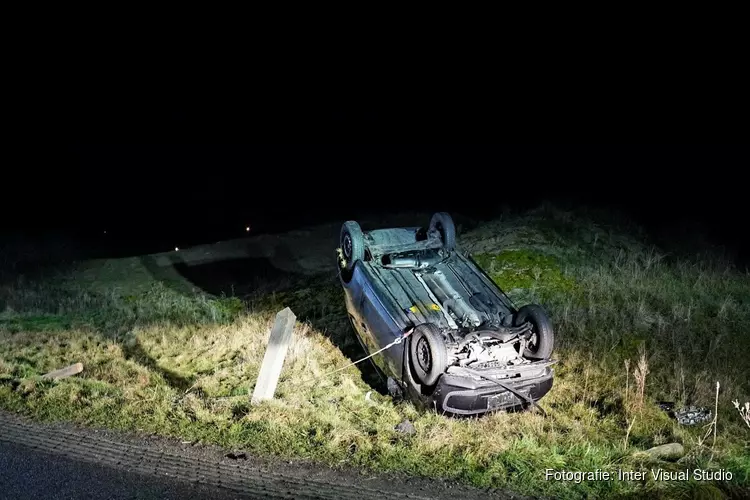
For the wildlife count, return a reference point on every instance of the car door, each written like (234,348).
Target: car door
(380,329)
(372,321)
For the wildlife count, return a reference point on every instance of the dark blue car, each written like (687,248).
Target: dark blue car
(465,349)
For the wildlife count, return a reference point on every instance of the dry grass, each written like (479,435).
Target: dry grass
(744,411)
(639,374)
(180,365)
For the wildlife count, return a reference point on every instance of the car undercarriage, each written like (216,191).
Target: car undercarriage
(471,350)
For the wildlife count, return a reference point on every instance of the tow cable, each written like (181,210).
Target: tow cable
(395,342)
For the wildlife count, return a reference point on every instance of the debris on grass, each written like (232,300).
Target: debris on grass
(669,451)
(406,427)
(66,372)
(693,415)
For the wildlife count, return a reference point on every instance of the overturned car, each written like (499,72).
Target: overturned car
(439,329)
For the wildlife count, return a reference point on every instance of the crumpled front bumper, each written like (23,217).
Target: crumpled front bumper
(460,395)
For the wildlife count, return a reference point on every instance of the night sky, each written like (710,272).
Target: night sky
(152,175)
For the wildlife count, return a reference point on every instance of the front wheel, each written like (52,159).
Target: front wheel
(427,353)
(542,339)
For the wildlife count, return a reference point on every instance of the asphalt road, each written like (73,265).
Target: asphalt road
(26,473)
(60,461)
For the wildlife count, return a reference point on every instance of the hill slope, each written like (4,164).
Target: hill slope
(164,351)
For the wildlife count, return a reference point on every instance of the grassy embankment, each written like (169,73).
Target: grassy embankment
(161,360)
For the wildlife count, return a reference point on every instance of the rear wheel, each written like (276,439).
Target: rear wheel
(427,354)
(352,244)
(542,339)
(442,224)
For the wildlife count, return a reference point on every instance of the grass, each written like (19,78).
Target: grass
(160,360)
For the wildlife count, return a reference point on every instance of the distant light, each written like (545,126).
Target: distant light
(247,228)
(176,249)
(105,231)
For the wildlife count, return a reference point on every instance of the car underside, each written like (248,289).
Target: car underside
(470,350)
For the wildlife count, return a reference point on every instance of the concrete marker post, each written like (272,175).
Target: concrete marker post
(273,359)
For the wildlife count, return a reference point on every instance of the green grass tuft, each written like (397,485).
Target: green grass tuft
(527,275)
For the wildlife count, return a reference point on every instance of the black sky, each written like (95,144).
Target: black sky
(198,172)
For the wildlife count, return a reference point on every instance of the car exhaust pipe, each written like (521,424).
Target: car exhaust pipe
(450,298)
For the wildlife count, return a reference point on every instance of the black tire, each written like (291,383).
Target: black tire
(427,354)
(542,334)
(352,244)
(442,224)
